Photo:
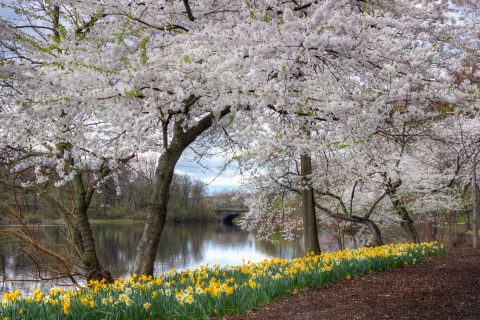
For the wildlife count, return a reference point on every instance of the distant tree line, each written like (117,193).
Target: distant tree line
(126,199)
(188,203)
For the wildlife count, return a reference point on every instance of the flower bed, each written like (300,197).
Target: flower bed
(209,291)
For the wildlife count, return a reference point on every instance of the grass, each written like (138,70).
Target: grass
(114,221)
(208,292)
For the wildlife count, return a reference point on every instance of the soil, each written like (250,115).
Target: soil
(442,288)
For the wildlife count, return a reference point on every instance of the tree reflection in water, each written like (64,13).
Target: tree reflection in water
(181,246)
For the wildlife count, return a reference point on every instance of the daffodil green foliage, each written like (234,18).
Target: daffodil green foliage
(209,291)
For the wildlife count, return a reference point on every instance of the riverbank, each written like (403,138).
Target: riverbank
(207,292)
(100,221)
(114,221)
(441,288)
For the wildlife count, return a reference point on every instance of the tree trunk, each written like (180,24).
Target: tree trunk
(83,234)
(157,211)
(95,270)
(309,217)
(434,228)
(366,221)
(475,206)
(468,225)
(80,232)
(407,222)
(375,230)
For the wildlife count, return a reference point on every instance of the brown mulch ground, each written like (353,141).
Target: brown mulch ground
(443,288)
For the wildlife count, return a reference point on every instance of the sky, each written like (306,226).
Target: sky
(211,171)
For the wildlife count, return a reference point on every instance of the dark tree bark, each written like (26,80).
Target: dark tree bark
(56,22)
(466,217)
(83,235)
(76,217)
(157,212)
(308,207)
(466,211)
(475,205)
(434,227)
(401,210)
(189,10)
(407,222)
(375,230)
(347,214)
(366,221)
(79,229)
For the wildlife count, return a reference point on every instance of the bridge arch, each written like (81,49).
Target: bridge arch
(227,214)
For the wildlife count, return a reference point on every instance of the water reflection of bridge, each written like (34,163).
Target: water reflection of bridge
(226,214)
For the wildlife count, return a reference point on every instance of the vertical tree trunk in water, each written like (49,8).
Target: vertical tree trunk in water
(157,212)
(309,218)
(476,210)
(83,234)
(95,270)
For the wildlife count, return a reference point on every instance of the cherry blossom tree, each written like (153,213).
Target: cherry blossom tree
(357,104)
(115,78)
(50,137)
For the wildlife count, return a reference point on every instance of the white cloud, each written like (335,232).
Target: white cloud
(213,171)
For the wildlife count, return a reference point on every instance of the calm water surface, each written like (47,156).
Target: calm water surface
(181,247)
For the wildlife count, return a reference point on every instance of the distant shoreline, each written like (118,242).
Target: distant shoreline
(96,221)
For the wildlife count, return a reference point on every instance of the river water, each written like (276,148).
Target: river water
(181,247)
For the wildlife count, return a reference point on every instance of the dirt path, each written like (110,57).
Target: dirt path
(443,288)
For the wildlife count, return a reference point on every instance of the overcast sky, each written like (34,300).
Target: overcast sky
(211,171)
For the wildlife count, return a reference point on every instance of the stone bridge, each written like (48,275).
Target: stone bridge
(226,214)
